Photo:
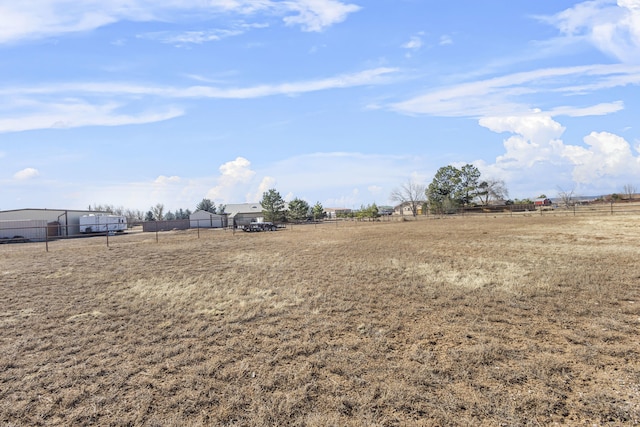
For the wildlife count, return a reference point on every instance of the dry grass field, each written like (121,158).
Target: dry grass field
(456,321)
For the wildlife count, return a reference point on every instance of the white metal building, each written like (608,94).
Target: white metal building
(204,219)
(65,221)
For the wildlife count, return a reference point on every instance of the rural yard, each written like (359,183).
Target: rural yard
(524,320)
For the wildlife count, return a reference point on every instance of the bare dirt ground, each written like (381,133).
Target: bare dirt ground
(459,321)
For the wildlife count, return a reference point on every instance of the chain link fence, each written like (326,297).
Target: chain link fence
(41,236)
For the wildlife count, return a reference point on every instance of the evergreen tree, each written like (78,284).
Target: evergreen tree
(273,206)
(298,210)
(318,211)
(206,205)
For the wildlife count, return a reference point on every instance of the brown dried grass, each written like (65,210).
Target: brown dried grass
(465,321)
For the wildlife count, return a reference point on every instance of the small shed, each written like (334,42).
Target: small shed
(205,219)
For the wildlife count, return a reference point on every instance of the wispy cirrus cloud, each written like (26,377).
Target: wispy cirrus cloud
(38,19)
(520,92)
(190,37)
(445,40)
(75,113)
(367,77)
(92,104)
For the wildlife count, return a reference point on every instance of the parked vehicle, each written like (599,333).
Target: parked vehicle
(102,223)
(260,226)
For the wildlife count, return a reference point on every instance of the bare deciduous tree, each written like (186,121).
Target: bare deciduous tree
(567,198)
(629,190)
(412,193)
(158,212)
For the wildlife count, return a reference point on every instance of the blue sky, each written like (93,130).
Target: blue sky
(137,102)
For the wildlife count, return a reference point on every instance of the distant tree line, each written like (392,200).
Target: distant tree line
(452,188)
(157,212)
(275,209)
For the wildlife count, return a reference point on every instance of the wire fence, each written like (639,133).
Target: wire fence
(576,209)
(42,236)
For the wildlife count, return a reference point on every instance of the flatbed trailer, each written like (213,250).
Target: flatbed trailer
(260,226)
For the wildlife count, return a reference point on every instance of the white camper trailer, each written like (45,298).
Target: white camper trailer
(102,223)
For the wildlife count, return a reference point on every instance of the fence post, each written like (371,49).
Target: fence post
(107,234)
(612,207)
(46,239)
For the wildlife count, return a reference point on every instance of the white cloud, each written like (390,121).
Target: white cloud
(316,15)
(606,154)
(164,180)
(415,43)
(593,110)
(267,183)
(536,127)
(535,153)
(613,28)
(72,113)
(84,105)
(190,37)
(233,175)
(445,40)
(25,174)
(365,77)
(51,18)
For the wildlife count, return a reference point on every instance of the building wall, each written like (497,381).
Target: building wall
(203,219)
(32,229)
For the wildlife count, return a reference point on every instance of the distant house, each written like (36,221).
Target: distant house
(204,219)
(405,208)
(542,202)
(333,213)
(243,213)
(385,210)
